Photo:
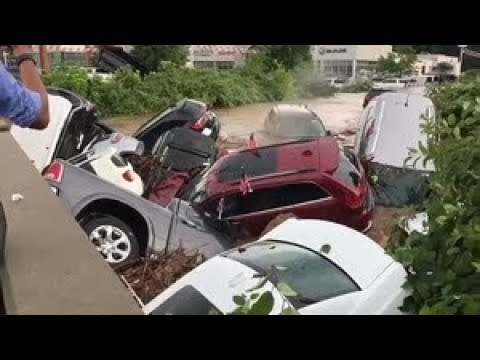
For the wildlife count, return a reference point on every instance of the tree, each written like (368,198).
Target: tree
(289,56)
(153,55)
(399,62)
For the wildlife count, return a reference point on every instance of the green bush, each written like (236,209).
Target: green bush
(127,94)
(444,266)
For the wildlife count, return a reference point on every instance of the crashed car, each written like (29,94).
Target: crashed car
(286,123)
(109,165)
(246,190)
(313,267)
(389,128)
(75,126)
(188,113)
(124,226)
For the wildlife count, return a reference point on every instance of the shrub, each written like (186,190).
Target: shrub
(444,266)
(127,94)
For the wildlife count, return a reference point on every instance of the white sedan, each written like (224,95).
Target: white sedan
(325,268)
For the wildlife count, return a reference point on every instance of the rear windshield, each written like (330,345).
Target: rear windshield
(311,276)
(302,126)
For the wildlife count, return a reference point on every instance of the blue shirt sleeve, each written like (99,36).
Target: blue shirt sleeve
(17,103)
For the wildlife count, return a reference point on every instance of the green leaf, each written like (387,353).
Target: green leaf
(325,248)
(289,311)
(471,307)
(449,208)
(476,265)
(453,250)
(446,289)
(285,289)
(441,220)
(264,305)
(239,300)
(254,296)
(456,133)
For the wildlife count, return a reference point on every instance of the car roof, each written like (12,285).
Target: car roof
(275,160)
(359,256)
(287,109)
(398,127)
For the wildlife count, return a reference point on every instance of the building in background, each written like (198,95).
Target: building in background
(347,61)
(217,56)
(79,55)
(435,64)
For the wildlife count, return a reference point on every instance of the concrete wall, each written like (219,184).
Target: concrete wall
(50,267)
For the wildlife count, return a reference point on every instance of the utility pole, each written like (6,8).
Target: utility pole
(44,60)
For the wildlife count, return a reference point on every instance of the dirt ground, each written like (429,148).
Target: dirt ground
(339,113)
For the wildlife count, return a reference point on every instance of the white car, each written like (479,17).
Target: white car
(109,165)
(330,269)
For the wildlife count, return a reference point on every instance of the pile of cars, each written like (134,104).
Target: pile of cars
(205,201)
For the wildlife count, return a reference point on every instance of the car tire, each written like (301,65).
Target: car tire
(113,239)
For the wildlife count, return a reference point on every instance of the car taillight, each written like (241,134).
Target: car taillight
(128,175)
(200,123)
(354,199)
(54,172)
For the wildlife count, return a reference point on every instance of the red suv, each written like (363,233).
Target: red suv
(312,179)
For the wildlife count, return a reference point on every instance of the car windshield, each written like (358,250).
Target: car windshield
(301,127)
(311,276)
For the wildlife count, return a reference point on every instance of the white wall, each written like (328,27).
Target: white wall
(373,52)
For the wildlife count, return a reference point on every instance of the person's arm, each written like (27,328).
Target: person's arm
(32,80)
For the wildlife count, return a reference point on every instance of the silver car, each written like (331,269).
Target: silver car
(124,226)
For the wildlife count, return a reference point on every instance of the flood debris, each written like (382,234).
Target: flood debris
(149,277)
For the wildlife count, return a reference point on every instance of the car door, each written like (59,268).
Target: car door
(256,209)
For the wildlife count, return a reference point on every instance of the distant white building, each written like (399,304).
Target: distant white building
(428,64)
(217,56)
(347,61)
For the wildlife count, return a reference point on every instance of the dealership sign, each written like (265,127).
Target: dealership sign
(334,52)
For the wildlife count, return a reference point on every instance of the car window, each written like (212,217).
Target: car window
(310,275)
(301,126)
(266,199)
(186,301)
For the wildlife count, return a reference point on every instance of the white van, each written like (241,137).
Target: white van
(388,127)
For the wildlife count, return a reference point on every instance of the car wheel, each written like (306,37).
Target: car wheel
(113,239)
